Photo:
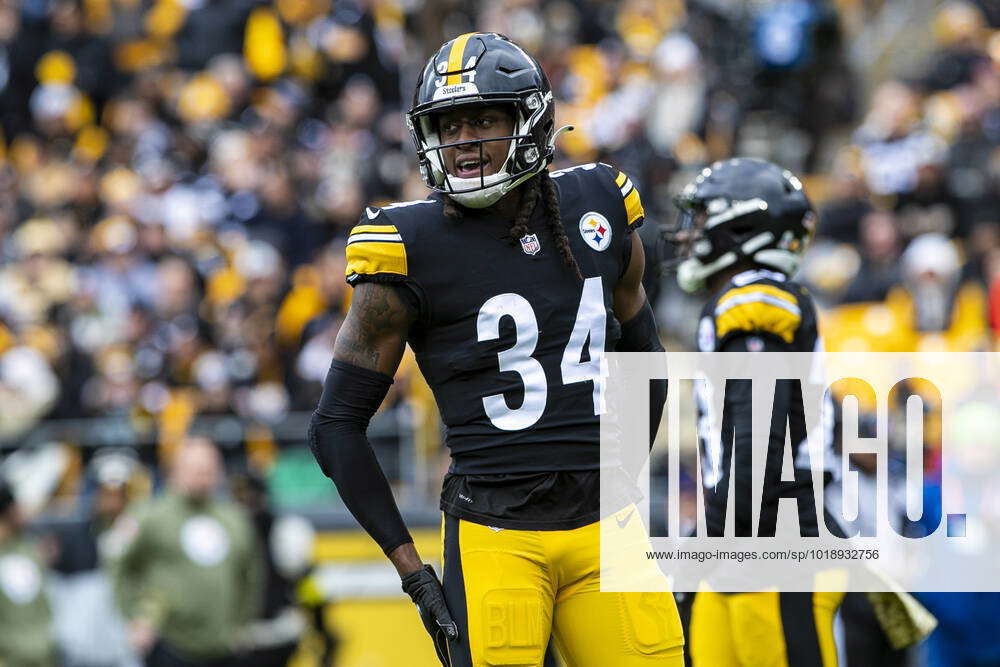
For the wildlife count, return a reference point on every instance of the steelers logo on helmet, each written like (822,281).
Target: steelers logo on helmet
(595,230)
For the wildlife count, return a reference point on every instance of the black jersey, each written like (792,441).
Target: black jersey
(508,338)
(756,310)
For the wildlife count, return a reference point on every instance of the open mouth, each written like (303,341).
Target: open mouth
(471,167)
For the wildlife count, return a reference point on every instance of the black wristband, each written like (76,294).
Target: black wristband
(337,437)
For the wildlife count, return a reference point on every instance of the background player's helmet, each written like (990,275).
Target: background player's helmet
(483,69)
(741,209)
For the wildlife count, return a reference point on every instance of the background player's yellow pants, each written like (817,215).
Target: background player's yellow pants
(508,589)
(767,629)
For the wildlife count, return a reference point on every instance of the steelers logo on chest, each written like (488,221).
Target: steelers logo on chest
(20,579)
(595,230)
(204,540)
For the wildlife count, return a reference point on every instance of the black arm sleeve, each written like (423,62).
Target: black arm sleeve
(337,437)
(639,335)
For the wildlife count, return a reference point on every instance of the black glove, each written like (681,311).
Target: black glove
(424,589)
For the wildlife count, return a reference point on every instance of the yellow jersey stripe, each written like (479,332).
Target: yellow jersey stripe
(372,257)
(758,316)
(750,292)
(620,179)
(633,206)
(455,57)
(374,229)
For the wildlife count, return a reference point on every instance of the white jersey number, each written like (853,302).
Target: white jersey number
(588,333)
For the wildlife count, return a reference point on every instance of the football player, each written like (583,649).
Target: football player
(743,227)
(509,283)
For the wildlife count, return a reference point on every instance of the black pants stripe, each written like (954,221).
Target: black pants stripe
(801,640)
(453,583)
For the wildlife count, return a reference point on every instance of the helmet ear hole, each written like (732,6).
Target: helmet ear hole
(526,156)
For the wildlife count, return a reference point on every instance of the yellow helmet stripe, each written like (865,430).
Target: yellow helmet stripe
(455,57)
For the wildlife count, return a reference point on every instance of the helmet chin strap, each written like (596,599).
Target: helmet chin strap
(783,260)
(470,193)
(692,274)
(489,195)
(486,196)
(493,191)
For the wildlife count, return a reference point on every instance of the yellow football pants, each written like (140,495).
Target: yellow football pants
(766,629)
(509,589)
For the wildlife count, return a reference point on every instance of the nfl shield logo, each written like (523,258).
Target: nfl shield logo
(530,244)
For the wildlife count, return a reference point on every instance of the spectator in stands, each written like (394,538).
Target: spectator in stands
(958,29)
(931,270)
(25,618)
(186,567)
(316,335)
(89,629)
(211,28)
(28,387)
(879,271)
(274,634)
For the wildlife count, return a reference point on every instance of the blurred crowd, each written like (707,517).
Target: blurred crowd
(907,255)
(188,578)
(178,176)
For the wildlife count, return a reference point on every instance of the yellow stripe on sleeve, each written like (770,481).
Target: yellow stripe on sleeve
(757,289)
(374,229)
(620,179)
(455,58)
(758,308)
(760,317)
(633,206)
(374,257)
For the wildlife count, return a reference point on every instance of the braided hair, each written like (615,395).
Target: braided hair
(556,228)
(539,187)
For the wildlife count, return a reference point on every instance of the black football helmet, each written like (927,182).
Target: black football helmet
(736,210)
(483,68)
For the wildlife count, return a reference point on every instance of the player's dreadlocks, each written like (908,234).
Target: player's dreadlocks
(551,196)
(534,188)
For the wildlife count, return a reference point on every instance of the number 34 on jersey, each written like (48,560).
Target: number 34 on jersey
(587,336)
